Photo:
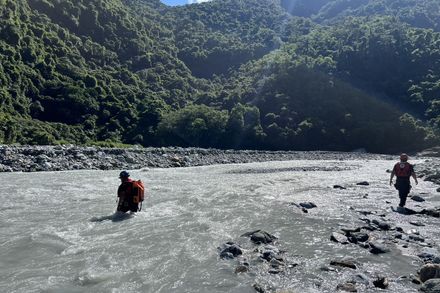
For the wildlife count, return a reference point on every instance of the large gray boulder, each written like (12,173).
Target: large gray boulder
(431,286)
(429,271)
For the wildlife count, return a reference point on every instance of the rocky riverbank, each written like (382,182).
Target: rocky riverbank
(60,158)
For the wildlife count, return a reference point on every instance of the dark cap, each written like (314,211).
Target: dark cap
(124,174)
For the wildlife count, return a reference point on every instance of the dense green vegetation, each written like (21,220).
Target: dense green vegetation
(272,74)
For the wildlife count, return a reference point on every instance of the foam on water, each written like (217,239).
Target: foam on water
(59,232)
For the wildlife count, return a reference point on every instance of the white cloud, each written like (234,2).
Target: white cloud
(197,1)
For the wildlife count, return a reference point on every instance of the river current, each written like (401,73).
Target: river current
(57,232)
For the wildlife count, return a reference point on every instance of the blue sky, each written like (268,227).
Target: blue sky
(181,2)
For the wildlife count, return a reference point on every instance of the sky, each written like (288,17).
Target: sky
(182,2)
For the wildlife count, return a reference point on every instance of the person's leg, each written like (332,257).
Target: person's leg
(403,195)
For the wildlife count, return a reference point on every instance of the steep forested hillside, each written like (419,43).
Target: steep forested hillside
(268,74)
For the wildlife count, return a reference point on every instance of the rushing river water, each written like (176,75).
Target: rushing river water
(54,236)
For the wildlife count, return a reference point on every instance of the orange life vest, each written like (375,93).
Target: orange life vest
(402,169)
(138,191)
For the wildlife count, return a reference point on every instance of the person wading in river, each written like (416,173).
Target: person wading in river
(403,171)
(130,194)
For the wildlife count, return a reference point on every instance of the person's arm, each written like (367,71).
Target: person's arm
(391,177)
(414,176)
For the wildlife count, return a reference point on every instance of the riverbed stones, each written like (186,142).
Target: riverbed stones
(429,271)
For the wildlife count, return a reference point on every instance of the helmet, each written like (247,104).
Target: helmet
(404,157)
(124,174)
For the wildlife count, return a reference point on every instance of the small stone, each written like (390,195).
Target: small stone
(418,224)
(377,248)
(258,288)
(381,282)
(347,287)
(417,198)
(343,263)
(308,205)
(241,269)
(382,225)
(359,237)
(364,183)
(339,238)
(260,237)
(339,187)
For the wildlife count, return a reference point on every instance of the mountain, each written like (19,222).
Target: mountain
(330,75)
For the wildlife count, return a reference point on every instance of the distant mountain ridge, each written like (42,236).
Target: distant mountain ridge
(231,74)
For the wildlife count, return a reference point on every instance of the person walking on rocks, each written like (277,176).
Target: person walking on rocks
(403,171)
(130,194)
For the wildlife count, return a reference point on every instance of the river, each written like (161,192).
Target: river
(58,233)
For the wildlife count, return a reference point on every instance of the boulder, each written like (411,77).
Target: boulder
(431,286)
(429,271)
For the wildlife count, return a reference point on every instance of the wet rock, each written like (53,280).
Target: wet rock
(260,237)
(433,212)
(343,263)
(349,230)
(339,187)
(429,271)
(417,198)
(358,237)
(418,224)
(378,248)
(347,287)
(241,269)
(339,238)
(381,282)
(429,255)
(308,205)
(364,183)
(230,250)
(382,225)
(360,279)
(431,286)
(258,288)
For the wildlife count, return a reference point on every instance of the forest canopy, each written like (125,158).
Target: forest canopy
(259,74)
